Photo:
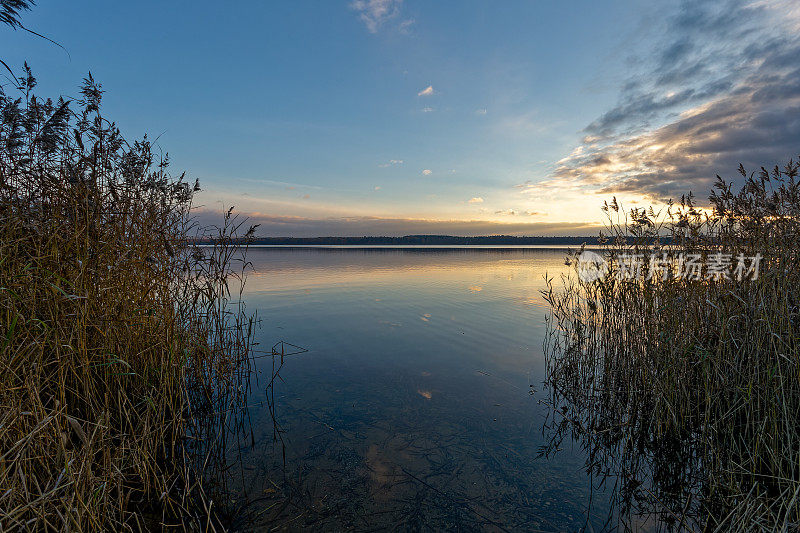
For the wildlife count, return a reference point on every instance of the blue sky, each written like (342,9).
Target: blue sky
(394,117)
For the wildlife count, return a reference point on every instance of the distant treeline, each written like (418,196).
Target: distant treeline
(430,240)
(425,240)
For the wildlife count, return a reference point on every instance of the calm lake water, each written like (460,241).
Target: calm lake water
(416,404)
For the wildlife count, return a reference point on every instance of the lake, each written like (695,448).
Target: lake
(415,405)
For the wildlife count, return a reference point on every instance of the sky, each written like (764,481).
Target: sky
(394,117)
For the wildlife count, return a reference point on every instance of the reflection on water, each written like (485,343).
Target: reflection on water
(415,406)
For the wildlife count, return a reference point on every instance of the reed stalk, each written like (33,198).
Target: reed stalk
(685,392)
(124,346)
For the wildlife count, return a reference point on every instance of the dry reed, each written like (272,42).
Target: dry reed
(685,393)
(123,349)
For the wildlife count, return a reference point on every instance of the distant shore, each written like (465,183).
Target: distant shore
(424,240)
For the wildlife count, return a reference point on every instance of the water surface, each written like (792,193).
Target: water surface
(416,404)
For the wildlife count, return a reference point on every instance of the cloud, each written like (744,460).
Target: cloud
(427,91)
(405,26)
(287,185)
(391,162)
(481,111)
(514,212)
(427,110)
(519,124)
(427,172)
(295,226)
(475,200)
(375,13)
(724,90)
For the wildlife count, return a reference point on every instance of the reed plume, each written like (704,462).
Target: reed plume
(684,390)
(124,346)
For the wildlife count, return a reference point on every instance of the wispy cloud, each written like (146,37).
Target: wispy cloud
(481,111)
(427,172)
(514,212)
(296,226)
(427,110)
(527,123)
(405,26)
(724,89)
(391,162)
(427,91)
(285,184)
(475,200)
(375,13)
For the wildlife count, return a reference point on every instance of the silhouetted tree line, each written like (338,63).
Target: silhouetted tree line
(428,240)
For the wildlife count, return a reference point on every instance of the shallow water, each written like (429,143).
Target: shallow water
(416,404)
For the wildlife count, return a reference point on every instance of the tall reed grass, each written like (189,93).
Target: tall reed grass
(685,392)
(124,353)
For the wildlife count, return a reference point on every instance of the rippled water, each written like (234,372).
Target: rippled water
(416,404)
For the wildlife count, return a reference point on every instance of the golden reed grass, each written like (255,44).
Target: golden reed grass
(122,348)
(686,392)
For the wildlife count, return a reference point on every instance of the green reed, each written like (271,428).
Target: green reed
(124,352)
(685,392)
